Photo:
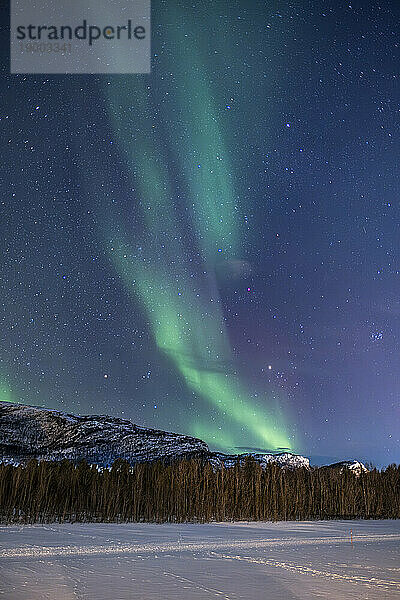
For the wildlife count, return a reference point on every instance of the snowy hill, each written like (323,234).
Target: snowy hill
(283,459)
(354,466)
(31,432)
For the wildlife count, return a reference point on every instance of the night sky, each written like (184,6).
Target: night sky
(214,248)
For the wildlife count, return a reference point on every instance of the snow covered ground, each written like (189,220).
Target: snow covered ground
(228,561)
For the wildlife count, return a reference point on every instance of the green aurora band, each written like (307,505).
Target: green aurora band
(176,284)
(5,392)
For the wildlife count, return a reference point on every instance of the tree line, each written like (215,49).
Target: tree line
(191,490)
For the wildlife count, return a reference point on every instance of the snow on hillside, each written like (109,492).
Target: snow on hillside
(31,432)
(283,459)
(354,466)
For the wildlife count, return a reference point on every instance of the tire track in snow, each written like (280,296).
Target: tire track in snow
(372,582)
(199,586)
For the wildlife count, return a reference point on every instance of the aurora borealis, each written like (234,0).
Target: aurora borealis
(212,248)
(180,292)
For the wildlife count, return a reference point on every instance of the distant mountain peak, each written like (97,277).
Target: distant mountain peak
(355,466)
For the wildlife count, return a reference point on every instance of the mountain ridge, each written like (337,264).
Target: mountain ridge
(28,432)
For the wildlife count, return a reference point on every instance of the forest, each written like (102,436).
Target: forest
(192,491)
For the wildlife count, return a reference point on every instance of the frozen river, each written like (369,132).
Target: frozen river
(229,561)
